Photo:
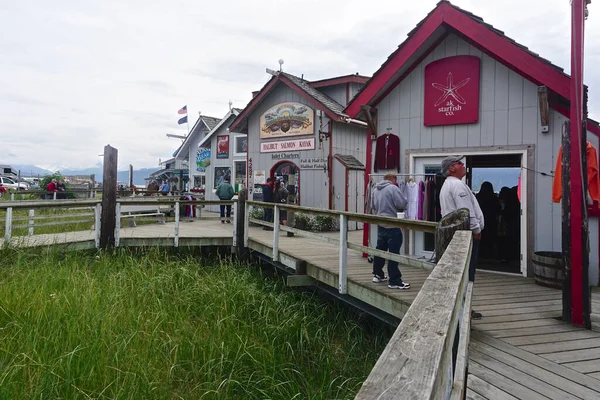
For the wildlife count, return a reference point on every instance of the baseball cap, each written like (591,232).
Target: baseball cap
(448,161)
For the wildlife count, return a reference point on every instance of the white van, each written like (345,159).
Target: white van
(7,170)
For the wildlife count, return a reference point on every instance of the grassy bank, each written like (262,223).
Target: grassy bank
(155,325)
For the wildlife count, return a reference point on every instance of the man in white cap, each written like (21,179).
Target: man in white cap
(455,194)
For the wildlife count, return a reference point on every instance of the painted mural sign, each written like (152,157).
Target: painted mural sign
(202,159)
(222,174)
(287,145)
(223,146)
(452,91)
(287,119)
(313,163)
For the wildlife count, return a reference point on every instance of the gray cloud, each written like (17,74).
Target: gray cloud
(116,72)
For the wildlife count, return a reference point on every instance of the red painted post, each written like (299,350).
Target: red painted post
(577,199)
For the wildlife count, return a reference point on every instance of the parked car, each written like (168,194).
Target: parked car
(9,183)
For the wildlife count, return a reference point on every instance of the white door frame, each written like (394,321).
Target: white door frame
(412,155)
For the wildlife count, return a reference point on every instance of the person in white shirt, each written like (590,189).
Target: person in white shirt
(455,194)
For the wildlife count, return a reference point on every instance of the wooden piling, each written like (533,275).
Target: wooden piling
(109,198)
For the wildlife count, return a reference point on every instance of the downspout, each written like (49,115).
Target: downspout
(369,162)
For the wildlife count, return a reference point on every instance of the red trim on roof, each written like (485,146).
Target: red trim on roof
(497,46)
(592,126)
(253,103)
(387,71)
(519,60)
(339,80)
(411,68)
(309,98)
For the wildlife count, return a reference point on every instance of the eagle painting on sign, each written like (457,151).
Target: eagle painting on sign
(287,119)
(452,91)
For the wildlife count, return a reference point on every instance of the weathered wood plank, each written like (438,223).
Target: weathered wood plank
(584,366)
(486,390)
(519,305)
(415,363)
(300,280)
(538,330)
(471,395)
(562,346)
(575,355)
(515,317)
(517,371)
(530,371)
(557,369)
(504,384)
(530,323)
(550,338)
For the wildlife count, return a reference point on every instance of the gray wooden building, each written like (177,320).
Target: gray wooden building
(295,129)
(508,114)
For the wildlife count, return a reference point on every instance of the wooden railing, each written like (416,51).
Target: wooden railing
(342,243)
(426,358)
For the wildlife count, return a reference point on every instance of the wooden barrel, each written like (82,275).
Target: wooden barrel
(548,268)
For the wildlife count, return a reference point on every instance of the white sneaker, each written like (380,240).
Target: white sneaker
(379,278)
(402,285)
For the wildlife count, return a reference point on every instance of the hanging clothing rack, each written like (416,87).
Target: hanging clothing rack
(371,176)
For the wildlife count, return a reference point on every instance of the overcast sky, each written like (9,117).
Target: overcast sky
(77,75)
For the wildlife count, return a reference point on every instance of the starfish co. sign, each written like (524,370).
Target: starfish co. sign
(452,91)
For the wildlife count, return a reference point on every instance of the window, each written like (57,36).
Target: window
(240,145)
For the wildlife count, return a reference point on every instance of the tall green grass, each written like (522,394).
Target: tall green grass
(158,325)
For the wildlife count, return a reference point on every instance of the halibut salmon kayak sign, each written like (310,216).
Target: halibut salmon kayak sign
(452,91)
(287,119)
(287,145)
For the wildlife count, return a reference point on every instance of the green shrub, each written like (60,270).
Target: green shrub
(323,223)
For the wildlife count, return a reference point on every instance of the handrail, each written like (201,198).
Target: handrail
(424,226)
(418,360)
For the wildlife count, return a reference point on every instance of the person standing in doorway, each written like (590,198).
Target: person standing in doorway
(281,195)
(225,192)
(268,198)
(388,200)
(455,194)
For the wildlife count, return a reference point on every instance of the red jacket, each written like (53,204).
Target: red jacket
(51,187)
(387,156)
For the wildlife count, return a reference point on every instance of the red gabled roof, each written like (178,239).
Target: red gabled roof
(320,100)
(447,17)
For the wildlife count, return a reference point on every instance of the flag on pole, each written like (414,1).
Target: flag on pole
(182,110)
(182,120)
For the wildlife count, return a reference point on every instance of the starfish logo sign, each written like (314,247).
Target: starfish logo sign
(450,90)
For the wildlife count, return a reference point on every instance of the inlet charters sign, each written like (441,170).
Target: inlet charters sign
(287,145)
(452,91)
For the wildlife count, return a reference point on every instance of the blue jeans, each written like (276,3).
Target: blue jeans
(268,215)
(388,239)
(223,206)
(474,257)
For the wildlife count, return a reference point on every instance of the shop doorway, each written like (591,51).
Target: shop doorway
(504,239)
(289,174)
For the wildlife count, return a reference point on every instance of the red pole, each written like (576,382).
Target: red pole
(576,116)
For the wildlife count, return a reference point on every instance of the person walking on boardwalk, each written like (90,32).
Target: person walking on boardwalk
(455,194)
(225,192)
(268,197)
(388,200)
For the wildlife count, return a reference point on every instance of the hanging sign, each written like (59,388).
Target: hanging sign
(202,159)
(287,119)
(287,145)
(223,146)
(452,91)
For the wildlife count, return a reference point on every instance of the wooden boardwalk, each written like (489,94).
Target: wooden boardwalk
(519,350)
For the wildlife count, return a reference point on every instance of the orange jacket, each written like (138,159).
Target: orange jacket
(592,173)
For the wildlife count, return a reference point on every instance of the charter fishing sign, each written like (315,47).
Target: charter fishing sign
(287,119)
(452,91)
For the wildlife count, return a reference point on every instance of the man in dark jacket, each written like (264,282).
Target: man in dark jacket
(225,192)
(268,198)
(388,200)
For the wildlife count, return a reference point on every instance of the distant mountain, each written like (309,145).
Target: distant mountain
(123,176)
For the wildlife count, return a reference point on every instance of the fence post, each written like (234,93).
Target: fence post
(246,225)
(117,224)
(97,213)
(54,196)
(240,222)
(276,233)
(31,221)
(109,197)
(8,226)
(176,238)
(12,196)
(343,275)
(234,210)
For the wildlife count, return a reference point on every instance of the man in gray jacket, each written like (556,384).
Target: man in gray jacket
(388,200)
